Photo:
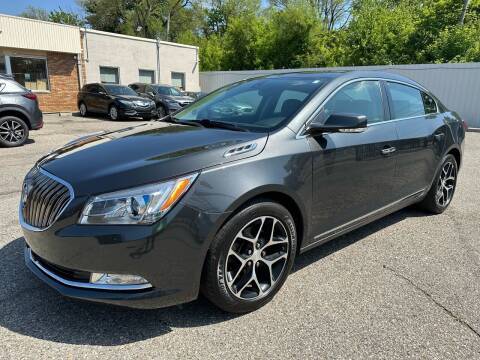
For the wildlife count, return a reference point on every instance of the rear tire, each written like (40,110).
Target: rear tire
(250,258)
(83,109)
(443,188)
(13,131)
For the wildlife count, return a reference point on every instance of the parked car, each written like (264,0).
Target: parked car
(167,98)
(116,101)
(19,113)
(150,215)
(195,94)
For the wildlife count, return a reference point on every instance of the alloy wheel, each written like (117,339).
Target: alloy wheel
(12,131)
(83,109)
(446,184)
(257,258)
(113,113)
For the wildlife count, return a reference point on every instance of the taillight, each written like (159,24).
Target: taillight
(30,96)
(465,125)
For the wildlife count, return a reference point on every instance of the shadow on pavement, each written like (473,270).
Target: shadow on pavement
(31,308)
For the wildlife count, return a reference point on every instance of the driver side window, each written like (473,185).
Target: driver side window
(359,98)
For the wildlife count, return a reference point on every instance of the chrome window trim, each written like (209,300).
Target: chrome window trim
(300,134)
(29,227)
(90,286)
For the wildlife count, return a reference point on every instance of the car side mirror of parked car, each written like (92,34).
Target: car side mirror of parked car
(338,123)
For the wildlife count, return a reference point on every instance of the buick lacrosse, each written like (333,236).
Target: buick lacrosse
(221,196)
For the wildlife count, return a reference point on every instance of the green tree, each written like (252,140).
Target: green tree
(36,13)
(65,17)
(380,32)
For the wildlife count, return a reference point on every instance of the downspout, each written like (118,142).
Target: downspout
(158,61)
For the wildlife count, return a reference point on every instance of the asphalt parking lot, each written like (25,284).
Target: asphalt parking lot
(406,286)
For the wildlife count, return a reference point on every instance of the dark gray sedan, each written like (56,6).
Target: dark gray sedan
(222,201)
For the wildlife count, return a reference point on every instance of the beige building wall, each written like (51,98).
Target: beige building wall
(182,59)
(130,54)
(22,33)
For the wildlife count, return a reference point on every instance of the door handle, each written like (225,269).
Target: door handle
(439,137)
(388,150)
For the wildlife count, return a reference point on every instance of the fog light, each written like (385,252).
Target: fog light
(117,279)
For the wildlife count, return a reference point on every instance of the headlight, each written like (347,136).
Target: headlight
(126,102)
(172,102)
(142,205)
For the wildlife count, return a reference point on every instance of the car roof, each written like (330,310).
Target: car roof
(344,75)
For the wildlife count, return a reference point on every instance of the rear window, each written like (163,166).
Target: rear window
(406,101)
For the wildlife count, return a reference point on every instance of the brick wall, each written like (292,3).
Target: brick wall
(63,79)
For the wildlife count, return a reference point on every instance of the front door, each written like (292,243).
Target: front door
(353,173)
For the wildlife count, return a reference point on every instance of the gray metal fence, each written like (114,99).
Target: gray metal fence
(456,85)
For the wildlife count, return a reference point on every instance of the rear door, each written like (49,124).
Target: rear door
(353,173)
(421,131)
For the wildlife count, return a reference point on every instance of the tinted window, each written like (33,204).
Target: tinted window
(162,90)
(261,104)
(119,90)
(406,101)
(361,98)
(429,104)
(91,88)
(289,95)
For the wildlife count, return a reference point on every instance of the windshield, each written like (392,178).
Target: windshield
(119,90)
(261,105)
(167,90)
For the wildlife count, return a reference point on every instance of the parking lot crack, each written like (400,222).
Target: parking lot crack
(432,299)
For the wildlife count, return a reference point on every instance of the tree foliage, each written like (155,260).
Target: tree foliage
(255,34)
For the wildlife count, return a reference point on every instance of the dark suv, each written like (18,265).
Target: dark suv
(117,101)
(19,113)
(167,98)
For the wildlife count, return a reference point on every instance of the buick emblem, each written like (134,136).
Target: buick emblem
(25,192)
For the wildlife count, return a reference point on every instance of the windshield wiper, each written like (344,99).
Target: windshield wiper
(204,123)
(174,120)
(219,125)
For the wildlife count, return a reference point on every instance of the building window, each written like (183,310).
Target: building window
(178,80)
(146,76)
(30,72)
(109,75)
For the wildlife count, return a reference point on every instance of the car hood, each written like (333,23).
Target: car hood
(129,97)
(181,98)
(143,154)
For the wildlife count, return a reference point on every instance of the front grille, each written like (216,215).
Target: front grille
(43,199)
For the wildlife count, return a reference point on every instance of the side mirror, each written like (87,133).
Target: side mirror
(338,123)
(102,93)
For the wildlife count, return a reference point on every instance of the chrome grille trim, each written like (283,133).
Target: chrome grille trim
(46,201)
(83,285)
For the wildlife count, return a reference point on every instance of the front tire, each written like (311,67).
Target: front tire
(113,113)
(250,257)
(441,193)
(13,131)
(161,111)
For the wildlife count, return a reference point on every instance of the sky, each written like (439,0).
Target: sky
(15,7)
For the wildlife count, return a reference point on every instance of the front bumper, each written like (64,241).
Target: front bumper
(136,112)
(169,254)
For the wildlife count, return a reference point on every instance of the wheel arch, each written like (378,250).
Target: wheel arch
(457,154)
(277,194)
(9,111)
